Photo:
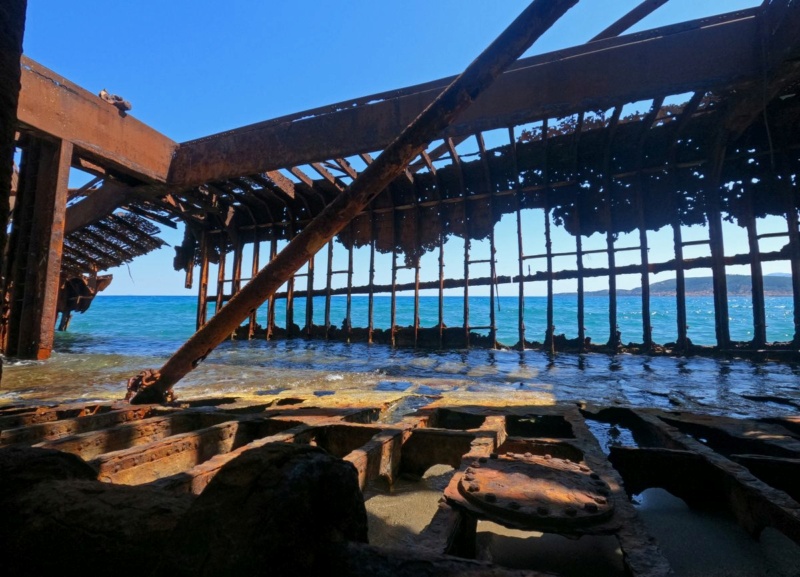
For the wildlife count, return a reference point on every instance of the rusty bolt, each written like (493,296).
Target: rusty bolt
(548,457)
(473,488)
(469,477)
(528,455)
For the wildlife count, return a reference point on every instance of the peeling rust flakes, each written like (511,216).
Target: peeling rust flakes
(535,492)
(511,481)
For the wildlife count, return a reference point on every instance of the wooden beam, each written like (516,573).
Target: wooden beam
(700,55)
(52,105)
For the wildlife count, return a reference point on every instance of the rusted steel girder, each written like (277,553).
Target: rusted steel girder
(36,247)
(702,55)
(101,203)
(12,27)
(51,104)
(636,15)
(538,17)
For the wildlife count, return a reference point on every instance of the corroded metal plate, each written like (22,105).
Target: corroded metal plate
(536,492)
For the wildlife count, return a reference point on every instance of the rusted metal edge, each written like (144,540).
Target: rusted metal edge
(533,22)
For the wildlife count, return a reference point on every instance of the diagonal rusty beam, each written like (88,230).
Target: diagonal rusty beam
(304,178)
(408,174)
(101,203)
(346,167)
(435,153)
(285,185)
(634,16)
(538,17)
(327,175)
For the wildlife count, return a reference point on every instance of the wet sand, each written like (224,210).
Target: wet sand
(696,543)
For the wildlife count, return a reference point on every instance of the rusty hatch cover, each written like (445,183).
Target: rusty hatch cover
(536,492)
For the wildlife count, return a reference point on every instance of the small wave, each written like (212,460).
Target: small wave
(22,363)
(334,378)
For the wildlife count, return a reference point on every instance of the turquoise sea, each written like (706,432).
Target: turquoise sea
(119,336)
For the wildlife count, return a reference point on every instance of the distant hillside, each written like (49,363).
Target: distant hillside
(776,285)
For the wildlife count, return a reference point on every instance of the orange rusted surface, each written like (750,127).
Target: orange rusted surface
(51,104)
(531,481)
(535,492)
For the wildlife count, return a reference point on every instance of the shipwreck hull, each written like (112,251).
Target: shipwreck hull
(524,465)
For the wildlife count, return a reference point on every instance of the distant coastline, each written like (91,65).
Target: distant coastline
(775,285)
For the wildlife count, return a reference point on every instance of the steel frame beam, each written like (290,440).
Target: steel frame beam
(37,245)
(12,27)
(699,55)
(50,104)
(538,17)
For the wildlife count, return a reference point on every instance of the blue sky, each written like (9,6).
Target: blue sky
(193,68)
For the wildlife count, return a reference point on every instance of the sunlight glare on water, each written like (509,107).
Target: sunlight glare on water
(106,346)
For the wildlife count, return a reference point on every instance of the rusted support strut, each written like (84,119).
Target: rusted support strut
(538,17)
(12,28)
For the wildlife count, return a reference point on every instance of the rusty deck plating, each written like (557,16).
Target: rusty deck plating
(531,467)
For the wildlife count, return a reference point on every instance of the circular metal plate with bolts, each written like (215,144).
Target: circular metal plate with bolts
(536,492)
